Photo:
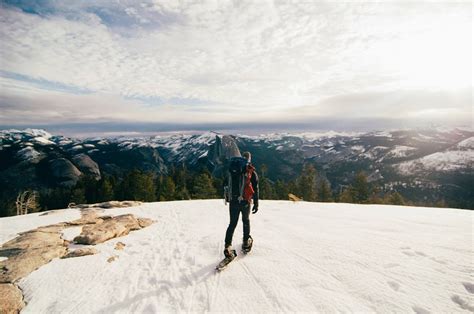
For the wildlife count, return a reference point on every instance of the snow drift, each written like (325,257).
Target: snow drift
(306,257)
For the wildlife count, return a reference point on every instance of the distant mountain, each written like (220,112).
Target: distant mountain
(427,165)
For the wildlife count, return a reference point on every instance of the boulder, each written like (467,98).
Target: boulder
(87,166)
(119,246)
(88,216)
(64,172)
(127,220)
(11,298)
(81,252)
(144,222)
(29,251)
(110,228)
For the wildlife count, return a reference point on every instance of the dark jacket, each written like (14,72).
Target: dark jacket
(235,187)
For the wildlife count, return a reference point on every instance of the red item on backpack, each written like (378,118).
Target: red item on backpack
(248,188)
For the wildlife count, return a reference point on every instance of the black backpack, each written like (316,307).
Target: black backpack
(236,170)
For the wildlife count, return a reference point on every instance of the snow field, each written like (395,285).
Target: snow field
(306,257)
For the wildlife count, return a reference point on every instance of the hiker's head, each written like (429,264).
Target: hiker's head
(247,156)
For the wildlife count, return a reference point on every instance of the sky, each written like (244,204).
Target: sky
(245,65)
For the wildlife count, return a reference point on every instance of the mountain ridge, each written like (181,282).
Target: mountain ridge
(401,160)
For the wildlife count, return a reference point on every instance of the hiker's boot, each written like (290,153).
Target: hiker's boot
(247,244)
(228,252)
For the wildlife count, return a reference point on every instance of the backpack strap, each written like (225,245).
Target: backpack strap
(241,188)
(229,184)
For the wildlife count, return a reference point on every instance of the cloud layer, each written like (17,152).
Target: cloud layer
(233,61)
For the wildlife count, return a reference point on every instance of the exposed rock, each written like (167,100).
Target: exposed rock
(11,298)
(81,252)
(87,217)
(56,228)
(111,228)
(32,249)
(29,251)
(119,246)
(128,220)
(86,165)
(64,171)
(124,204)
(29,154)
(224,148)
(144,222)
(112,258)
(150,159)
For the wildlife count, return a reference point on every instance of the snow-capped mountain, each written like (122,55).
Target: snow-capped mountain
(306,257)
(402,159)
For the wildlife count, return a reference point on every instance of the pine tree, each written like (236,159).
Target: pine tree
(203,187)
(148,192)
(105,191)
(218,184)
(91,188)
(346,196)
(167,189)
(293,188)
(7,203)
(281,190)
(360,189)
(138,186)
(78,195)
(324,192)
(375,197)
(395,198)
(55,198)
(266,189)
(307,183)
(181,180)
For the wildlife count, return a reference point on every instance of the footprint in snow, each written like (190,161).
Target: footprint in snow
(412,253)
(391,265)
(465,305)
(469,287)
(394,285)
(420,310)
(439,261)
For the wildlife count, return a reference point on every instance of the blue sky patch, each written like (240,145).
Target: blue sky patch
(45,84)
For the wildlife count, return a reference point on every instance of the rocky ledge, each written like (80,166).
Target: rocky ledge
(32,249)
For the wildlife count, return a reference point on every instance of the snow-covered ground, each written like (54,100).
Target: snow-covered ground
(307,257)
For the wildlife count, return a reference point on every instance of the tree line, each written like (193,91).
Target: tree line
(313,187)
(183,184)
(137,185)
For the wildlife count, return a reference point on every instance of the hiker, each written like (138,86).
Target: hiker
(241,189)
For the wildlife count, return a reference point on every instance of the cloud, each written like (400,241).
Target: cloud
(227,60)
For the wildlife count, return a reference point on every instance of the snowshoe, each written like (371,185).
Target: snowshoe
(230,255)
(247,245)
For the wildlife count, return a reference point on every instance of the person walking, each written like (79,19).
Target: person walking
(242,190)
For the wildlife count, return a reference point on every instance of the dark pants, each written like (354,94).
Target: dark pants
(234,211)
